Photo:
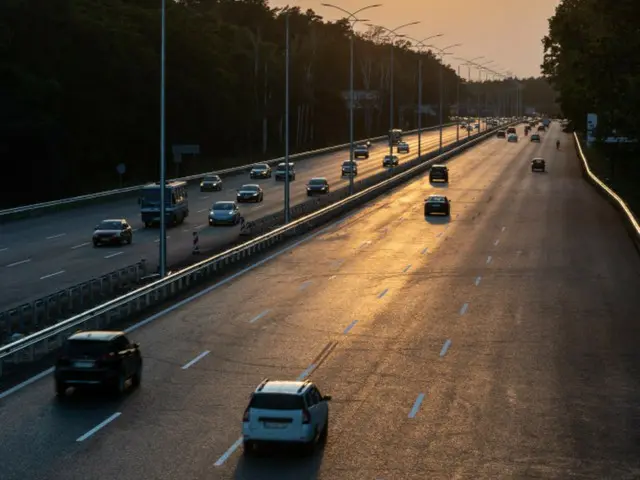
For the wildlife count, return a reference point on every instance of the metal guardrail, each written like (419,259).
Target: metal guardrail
(39,344)
(633,225)
(43,312)
(43,208)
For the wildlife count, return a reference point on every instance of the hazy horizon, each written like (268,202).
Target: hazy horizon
(509,34)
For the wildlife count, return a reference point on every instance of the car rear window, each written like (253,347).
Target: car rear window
(86,348)
(277,401)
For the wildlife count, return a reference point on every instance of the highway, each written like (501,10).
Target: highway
(43,255)
(499,343)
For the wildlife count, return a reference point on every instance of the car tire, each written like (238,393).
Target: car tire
(120,385)
(129,240)
(61,389)
(136,380)
(308,194)
(310,446)
(248,447)
(95,244)
(324,436)
(448,212)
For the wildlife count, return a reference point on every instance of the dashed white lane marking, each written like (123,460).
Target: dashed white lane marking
(15,264)
(98,427)
(489,259)
(196,360)
(383,293)
(464,309)
(114,255)
(52,275)
(504,228)
(351,325)
(406,269)
(56,236)
(425,250)
(203,210)
(259,316)
(81,245)
(495,244)
(4,249)
(304,285)
(478,281)
(416,406)
(157,240)
(445,348)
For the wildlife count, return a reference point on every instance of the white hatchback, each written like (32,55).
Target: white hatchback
(286,412)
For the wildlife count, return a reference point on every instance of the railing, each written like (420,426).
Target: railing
(633,226)
(43,208)
(39,344)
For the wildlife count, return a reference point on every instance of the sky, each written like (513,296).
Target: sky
(508,33)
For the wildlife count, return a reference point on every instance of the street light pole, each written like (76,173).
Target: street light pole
(458,107)
(287,192)
(421,45)
(442,52)
(353,19)
(162,263)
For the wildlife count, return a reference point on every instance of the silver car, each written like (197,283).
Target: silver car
(224,213)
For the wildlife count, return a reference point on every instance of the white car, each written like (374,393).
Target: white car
(285,412)
(512,138)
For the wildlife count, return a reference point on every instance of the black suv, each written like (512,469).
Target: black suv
(501,134)
(538,165)
(439,172)
(98,358)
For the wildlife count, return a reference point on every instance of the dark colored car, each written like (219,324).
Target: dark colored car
(437,204)
(390,161)
(98,359)
(542,128)
(403,147)
(501,134)
(262,170)
(511,130)
(439,173)
(535,137)
(361,151)
(349,168)
(211,183)
(109,232)
(250,193)
(224,213)
(317,185)
(281,171)
(538,165)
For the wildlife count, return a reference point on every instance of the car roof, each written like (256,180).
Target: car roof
(283,386)
(250,185)
(438,198)
(318,178)
(120,220)
(212,175)
(96,335)
(261,165)
(224,202)
(438,166)
(282,164)
(538,158)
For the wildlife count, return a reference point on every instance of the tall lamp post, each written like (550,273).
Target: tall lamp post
(442,52)
(162,261)
(287,182)
(469,63)
(480,67)
(351,17)
(393,34)
(421,45)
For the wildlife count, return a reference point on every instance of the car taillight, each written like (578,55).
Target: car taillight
(245,416)
(306,417)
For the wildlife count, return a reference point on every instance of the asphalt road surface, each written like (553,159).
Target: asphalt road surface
(43,255)
(501,343)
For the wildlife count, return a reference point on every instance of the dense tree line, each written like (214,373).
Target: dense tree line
(592,57)
(80,81)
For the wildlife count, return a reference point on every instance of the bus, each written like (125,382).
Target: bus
(395,136)
(176,203)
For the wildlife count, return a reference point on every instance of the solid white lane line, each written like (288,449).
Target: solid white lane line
(351,325)
(98,427)
(259,316)
(383,293)
(305,284)
(406,269)
(196,360)
(445,347)
(478,281)
(52,275)
(56,236)
(228,453)
(416,406)
(464,308)
(496,242)
(15,264)
(81,245)
(114,255)
(489,259)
